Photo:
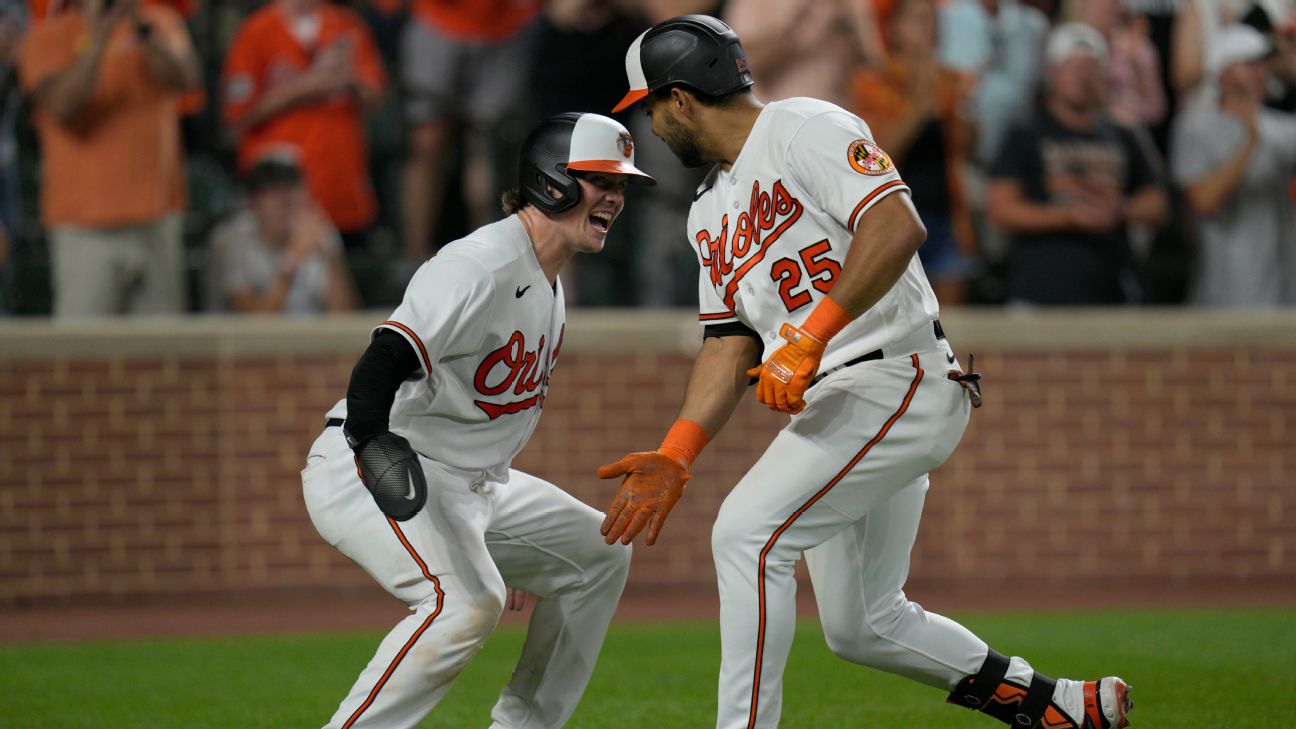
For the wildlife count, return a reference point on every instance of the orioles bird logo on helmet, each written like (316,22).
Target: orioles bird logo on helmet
(627,143)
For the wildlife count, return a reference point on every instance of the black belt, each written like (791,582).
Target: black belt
(875,354)
(333,422)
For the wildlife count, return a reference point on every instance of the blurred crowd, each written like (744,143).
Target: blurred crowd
(304,156)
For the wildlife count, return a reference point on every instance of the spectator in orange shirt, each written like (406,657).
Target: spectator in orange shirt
(106,85)
(463,67)
(298,79)
(915,109)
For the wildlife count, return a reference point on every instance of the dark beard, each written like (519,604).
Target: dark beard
(685,146)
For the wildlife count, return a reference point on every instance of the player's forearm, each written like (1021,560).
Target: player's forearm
(719,380)
(886,240)
(388,362)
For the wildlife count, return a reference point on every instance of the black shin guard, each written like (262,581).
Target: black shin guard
(1010,702)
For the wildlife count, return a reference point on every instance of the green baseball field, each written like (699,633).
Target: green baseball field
(1190,669)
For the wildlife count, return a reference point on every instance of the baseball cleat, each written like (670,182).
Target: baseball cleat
(1113,698)
(1101,704)
(1104,704)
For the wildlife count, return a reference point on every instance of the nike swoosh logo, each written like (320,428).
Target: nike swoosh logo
(950,358)
(411,495)
(698,195)
(521,290)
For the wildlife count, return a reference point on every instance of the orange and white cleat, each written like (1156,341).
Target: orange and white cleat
(1101,704)
(1110,701)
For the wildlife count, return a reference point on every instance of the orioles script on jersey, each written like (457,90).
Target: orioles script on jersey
(766,213)
(524,370)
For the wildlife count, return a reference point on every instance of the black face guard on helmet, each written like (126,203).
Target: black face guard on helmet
(573,142)
(697,51)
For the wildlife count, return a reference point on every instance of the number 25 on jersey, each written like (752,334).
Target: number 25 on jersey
(812,261)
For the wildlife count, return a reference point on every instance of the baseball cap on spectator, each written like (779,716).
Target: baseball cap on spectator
(270,172)
(1236,44)
(1071,39)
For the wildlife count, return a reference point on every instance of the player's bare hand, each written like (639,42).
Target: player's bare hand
(786,375)
(516,600)
(653,483)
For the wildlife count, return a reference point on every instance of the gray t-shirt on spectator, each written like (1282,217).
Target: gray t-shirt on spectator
(241,260)
(1248,246)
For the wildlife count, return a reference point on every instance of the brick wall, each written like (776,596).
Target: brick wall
(126,472)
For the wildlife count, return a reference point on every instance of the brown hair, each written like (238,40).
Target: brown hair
(512,201)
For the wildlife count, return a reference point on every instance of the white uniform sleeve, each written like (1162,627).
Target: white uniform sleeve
(446,309)
(833,157)
(711,308)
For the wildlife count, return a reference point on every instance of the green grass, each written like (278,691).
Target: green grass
(1195,668)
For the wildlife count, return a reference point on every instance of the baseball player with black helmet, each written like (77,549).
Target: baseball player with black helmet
(411,477)
(810,285)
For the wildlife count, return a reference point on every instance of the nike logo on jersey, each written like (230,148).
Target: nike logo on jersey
(521,290)
(698,195)
(949,358)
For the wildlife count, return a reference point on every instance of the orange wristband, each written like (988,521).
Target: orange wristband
(826,320)
(684,441)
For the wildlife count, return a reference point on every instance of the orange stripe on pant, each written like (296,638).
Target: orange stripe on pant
(436,584)
(769,545)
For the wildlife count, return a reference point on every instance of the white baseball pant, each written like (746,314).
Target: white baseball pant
(844,483)
(450,564)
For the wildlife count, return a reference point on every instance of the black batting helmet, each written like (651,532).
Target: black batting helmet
(573,141)
(696,51)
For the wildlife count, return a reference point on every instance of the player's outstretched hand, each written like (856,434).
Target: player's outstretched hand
(653,483)
(786,375)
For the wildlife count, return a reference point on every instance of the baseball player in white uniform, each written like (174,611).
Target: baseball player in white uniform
(807,238)
(411,477)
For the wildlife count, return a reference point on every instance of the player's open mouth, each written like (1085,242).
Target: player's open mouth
(601,221)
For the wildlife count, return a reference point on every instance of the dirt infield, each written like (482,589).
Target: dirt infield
(303,611)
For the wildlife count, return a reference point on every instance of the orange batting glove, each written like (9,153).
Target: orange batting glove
(654,481)
(786,375)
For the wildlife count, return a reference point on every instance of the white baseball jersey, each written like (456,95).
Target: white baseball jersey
(843,484)
(772,232)
(487,328)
